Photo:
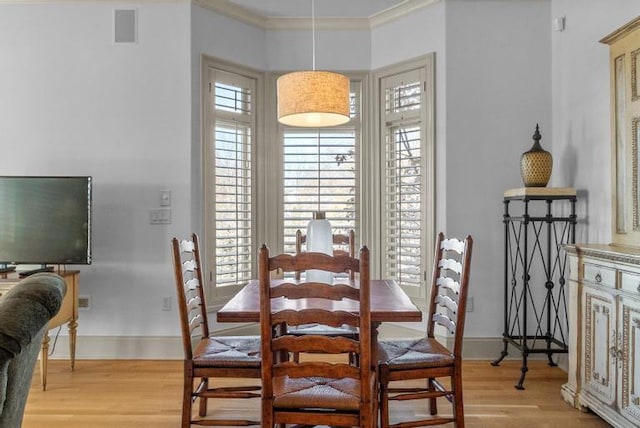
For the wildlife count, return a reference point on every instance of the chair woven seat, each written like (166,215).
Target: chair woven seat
(228,351)
(316,393)
(414,353)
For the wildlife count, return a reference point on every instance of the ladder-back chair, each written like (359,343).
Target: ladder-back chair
(206,356)
(426,358)
(345,246)
(319,390)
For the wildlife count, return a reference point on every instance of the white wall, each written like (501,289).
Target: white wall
(493,84)
(498,88)
(336,50)
(73,103)
(581,107)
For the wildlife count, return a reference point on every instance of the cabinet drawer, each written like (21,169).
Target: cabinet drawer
(600,275)
(630,282)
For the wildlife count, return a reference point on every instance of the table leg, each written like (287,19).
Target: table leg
(73,328)
(374,345)
(44,357)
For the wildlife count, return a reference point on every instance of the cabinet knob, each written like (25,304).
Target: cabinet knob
(599,278)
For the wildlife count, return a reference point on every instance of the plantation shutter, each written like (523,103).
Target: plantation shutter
(231,181)
(404,185)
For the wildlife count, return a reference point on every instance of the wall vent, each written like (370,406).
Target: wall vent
(125,26)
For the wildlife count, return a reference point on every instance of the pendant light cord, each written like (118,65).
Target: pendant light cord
(313,34)
(313,54)
(319,187)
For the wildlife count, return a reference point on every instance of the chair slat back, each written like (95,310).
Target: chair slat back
(449,285)
(190,293)
(309,303)
(344,245)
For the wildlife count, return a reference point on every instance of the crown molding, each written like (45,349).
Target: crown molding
(398,11)
(112,2)
(336,23)
(231,10)
(225,7)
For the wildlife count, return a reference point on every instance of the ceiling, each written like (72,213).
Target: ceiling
(323,8)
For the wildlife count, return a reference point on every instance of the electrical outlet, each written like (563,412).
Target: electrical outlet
(84,302)
(166,303)
(469,304)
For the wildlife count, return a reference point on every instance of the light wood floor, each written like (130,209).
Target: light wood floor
(142,393)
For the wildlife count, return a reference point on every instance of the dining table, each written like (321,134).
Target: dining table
(389,303)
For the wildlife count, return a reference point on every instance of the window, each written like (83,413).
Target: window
(320,173)
(407,182)
(230,124)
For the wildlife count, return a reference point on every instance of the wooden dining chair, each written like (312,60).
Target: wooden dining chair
(319,390)
(344,244)
(206,356)
(426,358)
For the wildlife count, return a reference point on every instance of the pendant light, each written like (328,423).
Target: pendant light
(313,98)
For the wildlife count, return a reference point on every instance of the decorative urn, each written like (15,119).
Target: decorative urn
(536,164)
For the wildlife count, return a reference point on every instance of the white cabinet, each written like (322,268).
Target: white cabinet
(604,352)
(599,344)
(629,358)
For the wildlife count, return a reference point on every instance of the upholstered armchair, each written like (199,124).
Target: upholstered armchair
(25,312)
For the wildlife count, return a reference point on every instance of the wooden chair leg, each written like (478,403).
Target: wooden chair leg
(433,404)
(458,406)
(267,415)
(203,400)
(187,400)
(384,405)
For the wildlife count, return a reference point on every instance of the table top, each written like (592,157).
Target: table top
(544,193)
(388,303)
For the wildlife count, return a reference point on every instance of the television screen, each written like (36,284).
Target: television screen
(45,220)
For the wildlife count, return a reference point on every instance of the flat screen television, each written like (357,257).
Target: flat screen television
(45,220)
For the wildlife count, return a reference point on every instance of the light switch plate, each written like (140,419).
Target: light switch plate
(160,216)
(165,198)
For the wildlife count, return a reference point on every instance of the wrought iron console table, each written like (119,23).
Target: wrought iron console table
(535,273)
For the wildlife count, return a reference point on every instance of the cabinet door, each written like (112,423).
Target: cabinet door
(599,345)
(629,354)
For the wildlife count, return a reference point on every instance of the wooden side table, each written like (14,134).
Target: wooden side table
(68,314)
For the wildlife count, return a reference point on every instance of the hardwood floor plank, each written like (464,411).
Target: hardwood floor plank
(143,393)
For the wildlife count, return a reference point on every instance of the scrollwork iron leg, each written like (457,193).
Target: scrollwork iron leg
(523,371)
(503,354)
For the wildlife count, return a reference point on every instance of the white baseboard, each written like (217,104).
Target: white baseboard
(170,347)
(120,348)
